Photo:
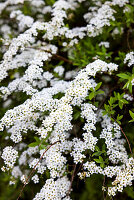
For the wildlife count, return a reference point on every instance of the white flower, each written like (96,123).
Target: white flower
(129,58)
(59,70)
(9,156)
(35,179)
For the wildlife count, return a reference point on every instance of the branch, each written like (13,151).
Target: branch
(126,139)
(35,169)
(125,136)
(72,178)
(62,58)
(54,55)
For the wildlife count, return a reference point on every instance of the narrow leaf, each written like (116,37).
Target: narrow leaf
(122,75)
(98,86)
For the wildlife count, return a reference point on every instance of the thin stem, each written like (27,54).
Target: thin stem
(125,136)
(54,55)
(62,58)
(72,178)
(35,169)
(126,139)
(79,168)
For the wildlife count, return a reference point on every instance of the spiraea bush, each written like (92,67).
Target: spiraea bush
(66,99)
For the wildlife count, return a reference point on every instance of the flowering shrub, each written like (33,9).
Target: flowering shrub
(66,92)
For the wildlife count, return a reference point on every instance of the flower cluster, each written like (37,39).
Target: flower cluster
(9,156)
(129,59)
(55,83)
(54,189)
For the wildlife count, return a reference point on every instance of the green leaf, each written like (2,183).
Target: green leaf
(112,100)
(126,85)
(124,76)
(100,92)
(37,139)
(45,143)
(115,94)
(91,96)
(97,148)
(130,87)
(106,107)
(115,105)
(120,104)
(118,96)
(76,115)
(118,122)
(131,114)
(102,165)
(97,153)
(96,104)
(112,119)
(92,89)
(124,101)
(119,117)
(101,159)
(104,112)
(103,147)
(97,160)
(98,86)
(106,160)
(131,120)
(42,147)
(33,144)
(112,112)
